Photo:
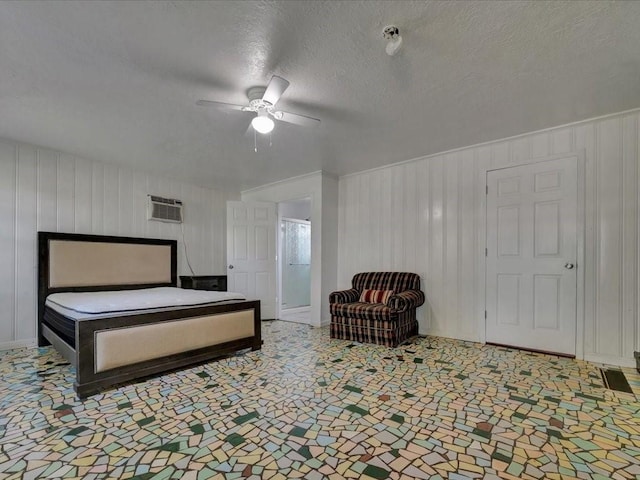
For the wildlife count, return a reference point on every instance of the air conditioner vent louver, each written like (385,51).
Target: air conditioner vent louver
(164,209)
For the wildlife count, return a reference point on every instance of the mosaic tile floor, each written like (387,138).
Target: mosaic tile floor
(310,407)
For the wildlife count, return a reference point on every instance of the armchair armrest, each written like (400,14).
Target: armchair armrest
(406,300)
(344,296)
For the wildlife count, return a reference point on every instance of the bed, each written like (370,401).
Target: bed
(110,339)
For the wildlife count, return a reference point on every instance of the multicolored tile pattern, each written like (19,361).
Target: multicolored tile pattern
(633,377)
(310,407)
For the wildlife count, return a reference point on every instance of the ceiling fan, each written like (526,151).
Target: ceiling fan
(262,101)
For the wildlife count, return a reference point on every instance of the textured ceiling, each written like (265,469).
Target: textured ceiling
(118,81)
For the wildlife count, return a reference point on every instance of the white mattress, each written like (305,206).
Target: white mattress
(90,305)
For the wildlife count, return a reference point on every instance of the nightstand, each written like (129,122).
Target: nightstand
(216,283)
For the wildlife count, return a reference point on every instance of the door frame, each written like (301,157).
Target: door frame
(312,265)
(481,279)
(280,255)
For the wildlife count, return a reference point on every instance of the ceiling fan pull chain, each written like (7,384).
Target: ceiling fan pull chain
(255,142)
(270,139)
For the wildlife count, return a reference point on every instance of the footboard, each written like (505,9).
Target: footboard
(118,349)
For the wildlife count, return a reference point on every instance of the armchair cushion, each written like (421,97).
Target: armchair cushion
(372,311)
(344,296)
(375,296)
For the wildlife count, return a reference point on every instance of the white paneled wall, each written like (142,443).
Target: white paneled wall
(43,190)
(427,216)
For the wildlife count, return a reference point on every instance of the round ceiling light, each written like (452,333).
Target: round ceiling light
(262,123)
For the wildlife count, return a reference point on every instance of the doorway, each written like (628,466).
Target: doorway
(295,260)
(532,235)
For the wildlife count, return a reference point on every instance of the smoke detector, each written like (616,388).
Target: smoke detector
(391,34)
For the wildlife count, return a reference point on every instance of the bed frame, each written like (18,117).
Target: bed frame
(103,355)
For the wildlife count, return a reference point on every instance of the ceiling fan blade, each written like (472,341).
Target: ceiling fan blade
(224,106)
(296,119)
(275,89)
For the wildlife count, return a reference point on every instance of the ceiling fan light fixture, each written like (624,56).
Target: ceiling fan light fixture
(262,101)
(262,123)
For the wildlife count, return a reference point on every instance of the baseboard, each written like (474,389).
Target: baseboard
(444,335)
(18,344)
(603,359)
(607,360)
(293,310)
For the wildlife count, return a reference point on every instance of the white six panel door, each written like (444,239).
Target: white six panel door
(531,256)
(251,252)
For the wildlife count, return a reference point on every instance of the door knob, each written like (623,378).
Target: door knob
(231,267)
(569,266)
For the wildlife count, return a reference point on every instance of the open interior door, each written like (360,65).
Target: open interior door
(251,252)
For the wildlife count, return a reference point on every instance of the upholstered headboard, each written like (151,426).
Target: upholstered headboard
(76,262)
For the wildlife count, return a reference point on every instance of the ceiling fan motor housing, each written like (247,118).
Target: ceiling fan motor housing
(257,103)
(256,93)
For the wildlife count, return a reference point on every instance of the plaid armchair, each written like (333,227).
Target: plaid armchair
(386,316)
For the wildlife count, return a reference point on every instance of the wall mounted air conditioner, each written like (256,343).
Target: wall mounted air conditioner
(164,209)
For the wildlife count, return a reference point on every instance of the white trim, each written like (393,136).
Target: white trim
(303,309)
(491,142)
(280,253)
(637,323)
(280,310)
(606,360)
(18,344)
(601,359)
(299,315)
(462,338)
(295,220)
(481,274)
(581,238)
(580,157)
(284,180)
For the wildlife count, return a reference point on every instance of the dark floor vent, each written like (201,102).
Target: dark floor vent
(615,380)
